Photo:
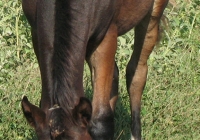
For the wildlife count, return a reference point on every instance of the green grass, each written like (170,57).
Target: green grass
(171,99)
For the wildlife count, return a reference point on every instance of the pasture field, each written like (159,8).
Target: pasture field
(171,99)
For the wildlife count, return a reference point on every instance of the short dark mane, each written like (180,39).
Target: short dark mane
(64,69)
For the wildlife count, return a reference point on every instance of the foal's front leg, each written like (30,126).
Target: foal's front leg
(102,64)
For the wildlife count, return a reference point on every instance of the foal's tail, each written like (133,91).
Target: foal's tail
(164,24)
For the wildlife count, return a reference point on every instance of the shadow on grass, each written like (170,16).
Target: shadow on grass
(122,120)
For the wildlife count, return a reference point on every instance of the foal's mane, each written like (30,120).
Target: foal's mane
(65,54)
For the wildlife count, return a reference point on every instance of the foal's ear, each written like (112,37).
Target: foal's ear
(34,115)
(83,110)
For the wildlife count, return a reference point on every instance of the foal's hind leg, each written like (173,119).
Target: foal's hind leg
(146,34)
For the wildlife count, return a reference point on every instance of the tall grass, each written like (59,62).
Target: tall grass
(171,99)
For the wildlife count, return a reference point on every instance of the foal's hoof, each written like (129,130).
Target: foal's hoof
(102,128)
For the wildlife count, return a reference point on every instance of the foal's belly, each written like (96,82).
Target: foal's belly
(131,12)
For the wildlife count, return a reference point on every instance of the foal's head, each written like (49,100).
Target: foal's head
(56,124)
